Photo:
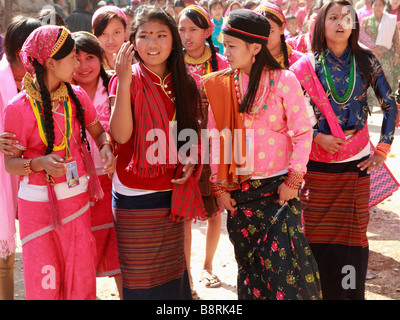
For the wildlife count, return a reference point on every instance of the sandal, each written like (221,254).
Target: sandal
(210,280)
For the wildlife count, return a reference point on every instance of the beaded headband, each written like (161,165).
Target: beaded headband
(275,12)
(201,11)
(60,42)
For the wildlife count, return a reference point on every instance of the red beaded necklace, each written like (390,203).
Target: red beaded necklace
(260,96)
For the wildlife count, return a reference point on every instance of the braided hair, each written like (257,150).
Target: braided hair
(46,99)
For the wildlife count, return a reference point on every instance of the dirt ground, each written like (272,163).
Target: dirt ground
(383,233)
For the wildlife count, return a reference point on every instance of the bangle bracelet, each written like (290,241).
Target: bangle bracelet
(108,143)
(217,191)
(27,166)
(294,180)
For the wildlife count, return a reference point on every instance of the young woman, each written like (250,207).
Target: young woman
(91,76)
(382,30)
(11,73)
(109,25)
(148,190)
(335,196)
(55,169)
(280,50)
(195,28)
(256,103)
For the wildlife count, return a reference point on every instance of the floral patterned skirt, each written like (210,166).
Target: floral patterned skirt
(274,259)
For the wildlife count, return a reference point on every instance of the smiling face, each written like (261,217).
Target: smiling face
(112,37)
(153,42)
(192,36)
(89,68)
(338,25)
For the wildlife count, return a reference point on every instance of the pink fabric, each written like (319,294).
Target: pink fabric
(9,183)
(285,111)
(102,106)
(20,119)
(305,73)
(107,263)
(364,12)
(109,9)
(39,45)
(197,71)
(58,264)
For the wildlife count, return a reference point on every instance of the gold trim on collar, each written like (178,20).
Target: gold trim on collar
(61,92)
(204,57)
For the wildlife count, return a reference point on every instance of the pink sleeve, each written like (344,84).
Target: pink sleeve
(298,122)
(112,86)
(19,122)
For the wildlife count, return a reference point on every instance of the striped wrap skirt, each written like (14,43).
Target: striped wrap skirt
(150,248)
(335,201)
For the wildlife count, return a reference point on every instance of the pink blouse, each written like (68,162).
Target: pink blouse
(20,119)
(282,130)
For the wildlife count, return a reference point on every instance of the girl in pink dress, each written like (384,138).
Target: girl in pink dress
(49,118)
(92,77)
(195,28)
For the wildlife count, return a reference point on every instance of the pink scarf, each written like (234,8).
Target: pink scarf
(304,71)
(9,183)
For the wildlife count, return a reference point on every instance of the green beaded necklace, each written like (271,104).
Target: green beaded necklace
(331,85)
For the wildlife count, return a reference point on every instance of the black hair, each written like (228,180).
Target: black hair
(17,32)
(202,23)
(46,98)
(187,97)
(363,57)
(87,42)
(274,18)
(103,19)
(179,3)
(263,59)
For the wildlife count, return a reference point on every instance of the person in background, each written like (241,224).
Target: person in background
(178,6)
(59,8)
(11,73)
(81,18)
(216,10)
(109,25)
(291,30)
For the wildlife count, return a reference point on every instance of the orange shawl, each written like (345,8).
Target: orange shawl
(234,167)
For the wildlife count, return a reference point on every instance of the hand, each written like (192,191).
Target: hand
(286,193)
(7,143)
(186,172)
(329,143)
(372,163)
(108,157)
(53,164)
(226,202)
(123,63)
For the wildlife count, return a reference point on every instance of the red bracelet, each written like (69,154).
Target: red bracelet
(294,180)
